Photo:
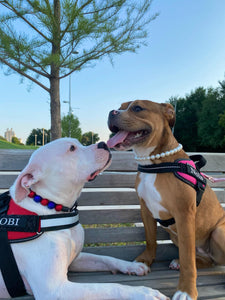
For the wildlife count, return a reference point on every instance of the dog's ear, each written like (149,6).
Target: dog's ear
(169,113)
(29,176)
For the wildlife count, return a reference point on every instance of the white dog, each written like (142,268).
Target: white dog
(57,172)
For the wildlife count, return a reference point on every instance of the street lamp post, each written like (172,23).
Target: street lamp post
(35,140)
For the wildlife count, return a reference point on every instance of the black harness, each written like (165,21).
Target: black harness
(12,227)
(182,169)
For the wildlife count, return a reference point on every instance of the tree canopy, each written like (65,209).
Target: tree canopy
(200,120)
(89,138)
(71,127)
(46,41)
(38,137)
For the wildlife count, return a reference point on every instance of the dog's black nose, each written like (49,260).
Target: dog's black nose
(103,145)
(112,120)
(113,113)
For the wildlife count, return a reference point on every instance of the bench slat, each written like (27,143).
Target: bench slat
(120,234)
(106,180)
(130,252)
(121,198)
(108,198)
(16,159)
(209,286)
(110,216)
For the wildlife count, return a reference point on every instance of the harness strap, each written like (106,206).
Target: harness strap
(35,223)
(24,223)
(180,167)
(10,273)
(166,223)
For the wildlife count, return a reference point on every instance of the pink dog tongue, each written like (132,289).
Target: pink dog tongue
(117,139)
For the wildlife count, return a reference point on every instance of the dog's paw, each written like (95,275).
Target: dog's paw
(174,265)
(135,268)
(145,293)
(181,296)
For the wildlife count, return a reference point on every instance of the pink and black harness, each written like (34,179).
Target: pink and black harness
(17,225)
(187,170)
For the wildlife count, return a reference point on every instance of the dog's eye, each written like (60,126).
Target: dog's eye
(137,108)
(72,148)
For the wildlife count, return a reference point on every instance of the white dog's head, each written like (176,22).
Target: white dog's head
(59,170)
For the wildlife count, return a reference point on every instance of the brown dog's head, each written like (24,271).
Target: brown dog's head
(140,123)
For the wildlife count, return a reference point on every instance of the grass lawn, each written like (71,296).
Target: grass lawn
(7,145)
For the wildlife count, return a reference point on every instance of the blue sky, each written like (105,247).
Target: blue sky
(186,49)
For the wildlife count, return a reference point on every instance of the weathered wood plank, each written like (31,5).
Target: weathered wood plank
(209,287)
(108,198)
(116,180)
(16,159)
(105,180)
(127,180)
(130,252)
(120,198)
(120,234)
(115,197)
(111,216)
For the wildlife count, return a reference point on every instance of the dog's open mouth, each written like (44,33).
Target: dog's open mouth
(97,172)
(125,139)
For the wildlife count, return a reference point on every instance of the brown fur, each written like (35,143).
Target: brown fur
(202,226)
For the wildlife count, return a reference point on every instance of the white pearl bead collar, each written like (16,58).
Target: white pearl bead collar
(163,154)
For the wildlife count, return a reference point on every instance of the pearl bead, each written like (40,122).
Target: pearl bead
(163,154)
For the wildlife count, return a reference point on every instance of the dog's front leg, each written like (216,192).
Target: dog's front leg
(185,223)
(87,262)
(104,291)
(150,226)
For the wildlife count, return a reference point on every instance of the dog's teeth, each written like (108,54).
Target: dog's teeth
(138,135)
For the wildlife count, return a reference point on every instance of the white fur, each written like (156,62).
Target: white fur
(58,174)
(181,296)
(148,192)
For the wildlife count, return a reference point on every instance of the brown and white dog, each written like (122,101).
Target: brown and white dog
(199,232)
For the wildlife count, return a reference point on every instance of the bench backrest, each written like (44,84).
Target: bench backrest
(109,207)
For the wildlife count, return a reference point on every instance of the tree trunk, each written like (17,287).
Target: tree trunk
(55,109)
(54,80)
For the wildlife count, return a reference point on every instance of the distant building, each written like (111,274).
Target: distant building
(9,134)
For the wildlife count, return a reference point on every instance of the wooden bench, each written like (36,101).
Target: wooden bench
(110,212)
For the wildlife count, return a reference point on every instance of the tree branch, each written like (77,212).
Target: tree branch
(24,74)
(24,19)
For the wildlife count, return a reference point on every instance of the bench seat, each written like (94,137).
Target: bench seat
(110,213)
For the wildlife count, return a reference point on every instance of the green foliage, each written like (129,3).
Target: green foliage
(15,140)
(51,39)
(85,31)
(210,131)
(6,145)
(222,124)
(70,127)
(89,138)
(199,122)
(36,137)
